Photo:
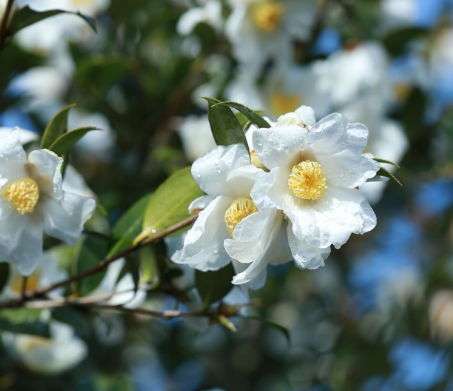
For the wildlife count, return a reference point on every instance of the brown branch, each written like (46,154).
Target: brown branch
(3,26)
(101,265)
(24,287)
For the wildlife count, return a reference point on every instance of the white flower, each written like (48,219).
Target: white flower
(266,29)
(59,353)
(210,13)
(398,13)
(441,315)
(196,136)
(34,202)
(25,136)
(313,178)
(227,177)
(47,272)
(2,8)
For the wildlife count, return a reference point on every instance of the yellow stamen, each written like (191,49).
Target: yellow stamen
(267,15)
(307,180)
(22,195)
(32,283)
(282,103)
(81,2)
(238,210)
(29,343)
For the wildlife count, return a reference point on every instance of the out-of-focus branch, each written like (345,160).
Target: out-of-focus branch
(100,266)
(4,24)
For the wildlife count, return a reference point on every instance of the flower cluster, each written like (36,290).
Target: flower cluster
(293,199)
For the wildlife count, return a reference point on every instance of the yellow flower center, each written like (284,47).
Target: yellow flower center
(282,103)
(22,195)
(238,210)
(266,15)
(81,2)
(307,180)
(32,283)
(30,343)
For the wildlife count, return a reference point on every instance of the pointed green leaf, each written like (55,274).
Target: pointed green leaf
(224,125)
(214,285)
(254,118)
(383,172)
(26,17)
(169,204)
(56,127)
(63,143)
(386,161)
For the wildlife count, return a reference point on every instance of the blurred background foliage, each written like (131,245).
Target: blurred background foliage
(378,316)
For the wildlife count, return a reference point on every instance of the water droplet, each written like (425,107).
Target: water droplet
(153,231)
(216,161)
(215,251)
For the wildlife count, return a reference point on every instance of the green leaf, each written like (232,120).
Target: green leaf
(72,317)
(169,204)
(276,326)
(4,275)
(396,41)
(214,285)
(386,161)
(254,118)
(26,17)
(387,174)
(244,122)
(56,127)
(129,226)
(224,125)
(148,264)
(63,143)
(413,112)
(23,321)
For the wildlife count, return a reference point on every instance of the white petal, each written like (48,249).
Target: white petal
(25,136)
(306,256)
(347,170)
(200,203)
(74,183)
(21,240)
(334,134)
(203,246)
(254,275)
(211,170)
(12,156)
(270,188)
(48,165)
(307,115)
(65,219)
(189,20)
(242,179)
(279,146)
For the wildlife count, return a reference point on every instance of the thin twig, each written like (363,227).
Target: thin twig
(101,265)
(24,287)
(3,26)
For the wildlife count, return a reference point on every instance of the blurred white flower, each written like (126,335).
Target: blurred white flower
(260,30)
(441,315)
(25,136)
(98,145)
(2,8)
(210,13)
(50,356)
(46,273)
(34,202)
(313,178)
(196,136)
(398,13)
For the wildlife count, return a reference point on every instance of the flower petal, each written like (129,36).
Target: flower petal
(334,134)
(203,246)
(279,146)
(211,170)
(64,219)
(306,256)
(12,157)
(200,203)
(254,275)
(48,175)
(242,179)
(270,187)
(348,170)
(21,240)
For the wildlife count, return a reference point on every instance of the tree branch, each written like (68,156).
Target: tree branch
(100,266)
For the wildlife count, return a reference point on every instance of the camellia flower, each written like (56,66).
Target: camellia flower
(266,29)
(210,13)
(196,136)
(313,178)
(34,202)
(59,353)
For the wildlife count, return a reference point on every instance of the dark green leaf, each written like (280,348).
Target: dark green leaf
(383,172)
(169,204)
(85,258)
(56,127)
(4,275)
(72,317)
(62,145)
(214,285)
(413,112)
(276,326)
(130,225)
(254,118)
(26,17)
(23,321)
(396,41)
(224,125)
